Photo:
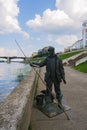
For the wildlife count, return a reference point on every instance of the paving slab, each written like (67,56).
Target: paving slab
(74,95)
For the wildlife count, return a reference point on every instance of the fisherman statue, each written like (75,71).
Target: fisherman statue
(54,74)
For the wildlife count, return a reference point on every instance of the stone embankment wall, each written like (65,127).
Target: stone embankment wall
(81,61)
(72,60)
(15,112)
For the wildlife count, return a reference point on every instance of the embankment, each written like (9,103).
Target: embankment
(15,112)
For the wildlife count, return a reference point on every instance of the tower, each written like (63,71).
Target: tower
(84,33)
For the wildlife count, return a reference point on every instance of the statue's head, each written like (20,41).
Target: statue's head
(51,51)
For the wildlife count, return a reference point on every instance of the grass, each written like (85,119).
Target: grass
(38,59)
(82,67)
(62,56)
(67,55)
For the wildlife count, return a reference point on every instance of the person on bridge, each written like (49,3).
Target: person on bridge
(54,73)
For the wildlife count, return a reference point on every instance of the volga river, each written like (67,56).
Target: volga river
(10,76)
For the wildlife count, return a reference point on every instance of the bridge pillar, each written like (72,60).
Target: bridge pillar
(8,60)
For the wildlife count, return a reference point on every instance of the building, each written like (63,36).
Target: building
(77,45)
(34,54)
(67,49)
(82,43)
(84,34)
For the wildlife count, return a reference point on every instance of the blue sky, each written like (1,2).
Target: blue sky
(36,24)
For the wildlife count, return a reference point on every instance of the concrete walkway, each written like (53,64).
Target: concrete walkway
(75,95)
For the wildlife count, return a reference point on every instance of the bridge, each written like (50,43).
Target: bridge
(9,58)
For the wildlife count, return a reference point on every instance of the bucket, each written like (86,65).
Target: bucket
(40,100)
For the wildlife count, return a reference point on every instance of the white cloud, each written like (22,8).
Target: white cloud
(8,17)
(69,15)
(1,51)
(50,21)
(66,40)
(75,9)
(25,35)
(7,52)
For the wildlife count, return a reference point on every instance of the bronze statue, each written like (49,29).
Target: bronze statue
(54,74)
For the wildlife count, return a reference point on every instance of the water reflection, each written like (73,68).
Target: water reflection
(10,76)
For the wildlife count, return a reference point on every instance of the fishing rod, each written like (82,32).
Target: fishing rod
(42,79)
(30,62)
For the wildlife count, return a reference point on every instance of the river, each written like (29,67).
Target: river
(10,76)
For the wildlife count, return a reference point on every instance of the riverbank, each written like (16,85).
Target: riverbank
(15,112)
(74,95)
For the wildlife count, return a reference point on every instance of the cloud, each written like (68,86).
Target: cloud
(25,35)
(9,17)
(7,52)
(50,38)
(38,39)
(75,9)
(51,21)
(69,15)
(66,40)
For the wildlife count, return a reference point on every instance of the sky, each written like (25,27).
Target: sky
(39,23)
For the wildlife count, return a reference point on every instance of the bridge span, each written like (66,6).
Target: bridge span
(9,58)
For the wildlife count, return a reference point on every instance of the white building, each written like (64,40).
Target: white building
(80,44)
(77,45)
(84,34)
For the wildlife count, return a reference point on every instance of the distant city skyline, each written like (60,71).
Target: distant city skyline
(38,24)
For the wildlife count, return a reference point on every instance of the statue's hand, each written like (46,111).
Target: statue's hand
(31,64)
(64,81)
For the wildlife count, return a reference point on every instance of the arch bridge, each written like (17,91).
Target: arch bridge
(13,57)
